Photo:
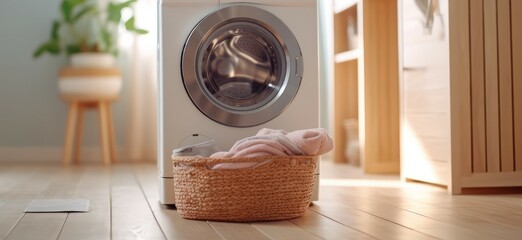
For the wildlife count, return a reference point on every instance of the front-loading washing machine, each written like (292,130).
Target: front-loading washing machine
(229,68)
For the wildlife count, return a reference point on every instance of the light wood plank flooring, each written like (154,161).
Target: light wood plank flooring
(124,205)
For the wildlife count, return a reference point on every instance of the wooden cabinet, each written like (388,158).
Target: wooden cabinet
(461,110)
(365,84)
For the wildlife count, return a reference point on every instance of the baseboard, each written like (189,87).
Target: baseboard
(53,154)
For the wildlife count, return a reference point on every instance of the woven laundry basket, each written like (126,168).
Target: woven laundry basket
(276,188)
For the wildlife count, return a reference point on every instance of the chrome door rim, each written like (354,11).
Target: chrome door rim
(280,42)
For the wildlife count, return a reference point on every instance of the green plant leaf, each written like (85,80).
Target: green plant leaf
(114,13)
(130,26)
(40,50)
(66,9)
(114,10)
(140,31)
(55,31)
(106,39)
(73,48)
(82,12)
(52,47)
(125,4)
(75,2)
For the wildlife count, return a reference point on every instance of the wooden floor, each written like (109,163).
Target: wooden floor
(124,205)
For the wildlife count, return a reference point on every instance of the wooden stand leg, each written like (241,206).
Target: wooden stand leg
(111,134)
(79,134)
(69,132)
(104,132)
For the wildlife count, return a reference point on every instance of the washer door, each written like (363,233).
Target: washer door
(241,66)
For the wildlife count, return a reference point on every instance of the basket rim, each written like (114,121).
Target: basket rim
(199,160)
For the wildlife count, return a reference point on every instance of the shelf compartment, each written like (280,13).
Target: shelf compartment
(342,5)
(347,56)
(346,26)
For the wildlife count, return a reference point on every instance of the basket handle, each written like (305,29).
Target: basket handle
(192,135)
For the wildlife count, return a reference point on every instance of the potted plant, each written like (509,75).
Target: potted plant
(87,33)
(86,28)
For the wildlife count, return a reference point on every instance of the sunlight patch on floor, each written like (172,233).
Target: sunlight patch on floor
(337,182)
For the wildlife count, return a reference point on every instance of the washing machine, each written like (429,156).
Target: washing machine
(228,68)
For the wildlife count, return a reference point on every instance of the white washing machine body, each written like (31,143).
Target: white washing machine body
(290,99)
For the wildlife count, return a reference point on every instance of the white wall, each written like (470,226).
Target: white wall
(32,117)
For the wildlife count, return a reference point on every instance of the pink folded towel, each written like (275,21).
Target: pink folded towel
(311,141)
(272,144)
(269,142)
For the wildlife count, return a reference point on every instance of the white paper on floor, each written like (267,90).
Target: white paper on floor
(58,205)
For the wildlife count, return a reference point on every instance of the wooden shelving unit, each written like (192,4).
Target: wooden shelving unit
(366,84)
(346,77)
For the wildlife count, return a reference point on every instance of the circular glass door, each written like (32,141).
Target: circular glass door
(241,66)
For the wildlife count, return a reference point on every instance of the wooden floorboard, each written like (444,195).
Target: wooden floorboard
(327,228)
(173,225)
(458,218)
(124,204)
(372,225)
(282,230)
(47,225)
(38,226)
(131,215)
(95,224)
(12,211)
(237,231)
(424,224)
(22,185)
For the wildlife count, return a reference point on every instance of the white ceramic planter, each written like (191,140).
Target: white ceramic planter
(90,84)
(92,60)
(101,87)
